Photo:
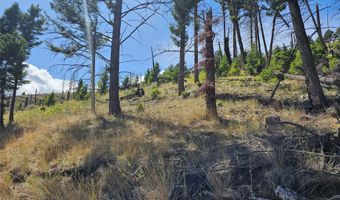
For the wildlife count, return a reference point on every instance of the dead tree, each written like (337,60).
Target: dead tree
(262,32)
(211,110)
(317,24)
(315,92)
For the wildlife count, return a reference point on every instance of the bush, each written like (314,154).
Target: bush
(140,108)
(49,100)
(279,58)
(81,93)
(154,93)
(222,67)
(255,61)
(185,94)
(170,74)
(219,103)
(152,75)
(296,65)
(235,67)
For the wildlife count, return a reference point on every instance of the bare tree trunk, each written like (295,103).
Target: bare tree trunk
(211,110)
(234,42)
(251,28)
(262,32)
(317,25)
(315,92)
(240,43)
(2,108)
(93,75)
(12,106)
(238,31)
(114,103)
(35,96)
(196,27)
(225,37)
(181,63)
(256,23)
(272,40)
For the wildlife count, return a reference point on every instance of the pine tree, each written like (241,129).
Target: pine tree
(19,32)
(103,83)
(181,14)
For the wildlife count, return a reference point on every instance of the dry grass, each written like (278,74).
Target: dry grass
(156,148)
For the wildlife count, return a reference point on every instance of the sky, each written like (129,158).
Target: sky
(47,75)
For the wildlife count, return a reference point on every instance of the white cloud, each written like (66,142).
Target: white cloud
(41,80)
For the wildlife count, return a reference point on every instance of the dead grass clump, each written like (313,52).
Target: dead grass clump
(158,180)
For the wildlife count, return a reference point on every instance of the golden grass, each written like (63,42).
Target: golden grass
(64,135)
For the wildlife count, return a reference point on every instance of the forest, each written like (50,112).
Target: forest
(243,102)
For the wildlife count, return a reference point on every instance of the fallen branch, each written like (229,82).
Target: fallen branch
(287,194)
(332,79)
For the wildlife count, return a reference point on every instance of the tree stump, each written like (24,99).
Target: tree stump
(273,124)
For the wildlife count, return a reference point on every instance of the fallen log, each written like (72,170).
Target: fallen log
(331,80)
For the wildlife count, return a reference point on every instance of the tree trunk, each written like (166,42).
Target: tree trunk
(272,40)
(14,95)
(2,108)
(315,92)
(225,37)
(93,75)
(35,96)
(181,63)
(114,104)
(262,32)
(256,24)
(251,29)
(234,42)
(196,27)
(240,43)
(317,25)
(211,110)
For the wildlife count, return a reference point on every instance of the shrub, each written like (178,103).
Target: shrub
(222,67)
(81,93)
(170,74)
(152,75)
(185,94)
(255,61)
(103,83)
(279,58)
(235,67)
(140,107)
(49,99)
(155,93)
(296,65)
(219,103)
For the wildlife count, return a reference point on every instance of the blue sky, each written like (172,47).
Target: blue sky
(157,36)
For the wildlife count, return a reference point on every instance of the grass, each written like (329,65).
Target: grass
(160,146)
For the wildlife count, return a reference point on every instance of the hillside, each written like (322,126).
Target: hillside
(165,149)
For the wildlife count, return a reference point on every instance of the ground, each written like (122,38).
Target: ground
(165,149)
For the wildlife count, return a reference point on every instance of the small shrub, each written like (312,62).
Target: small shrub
(49,99)
(185,94)
(81,94)
(255,61)
(235,67)
(279,58)
(140,108)
(219,103)
(154,93)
